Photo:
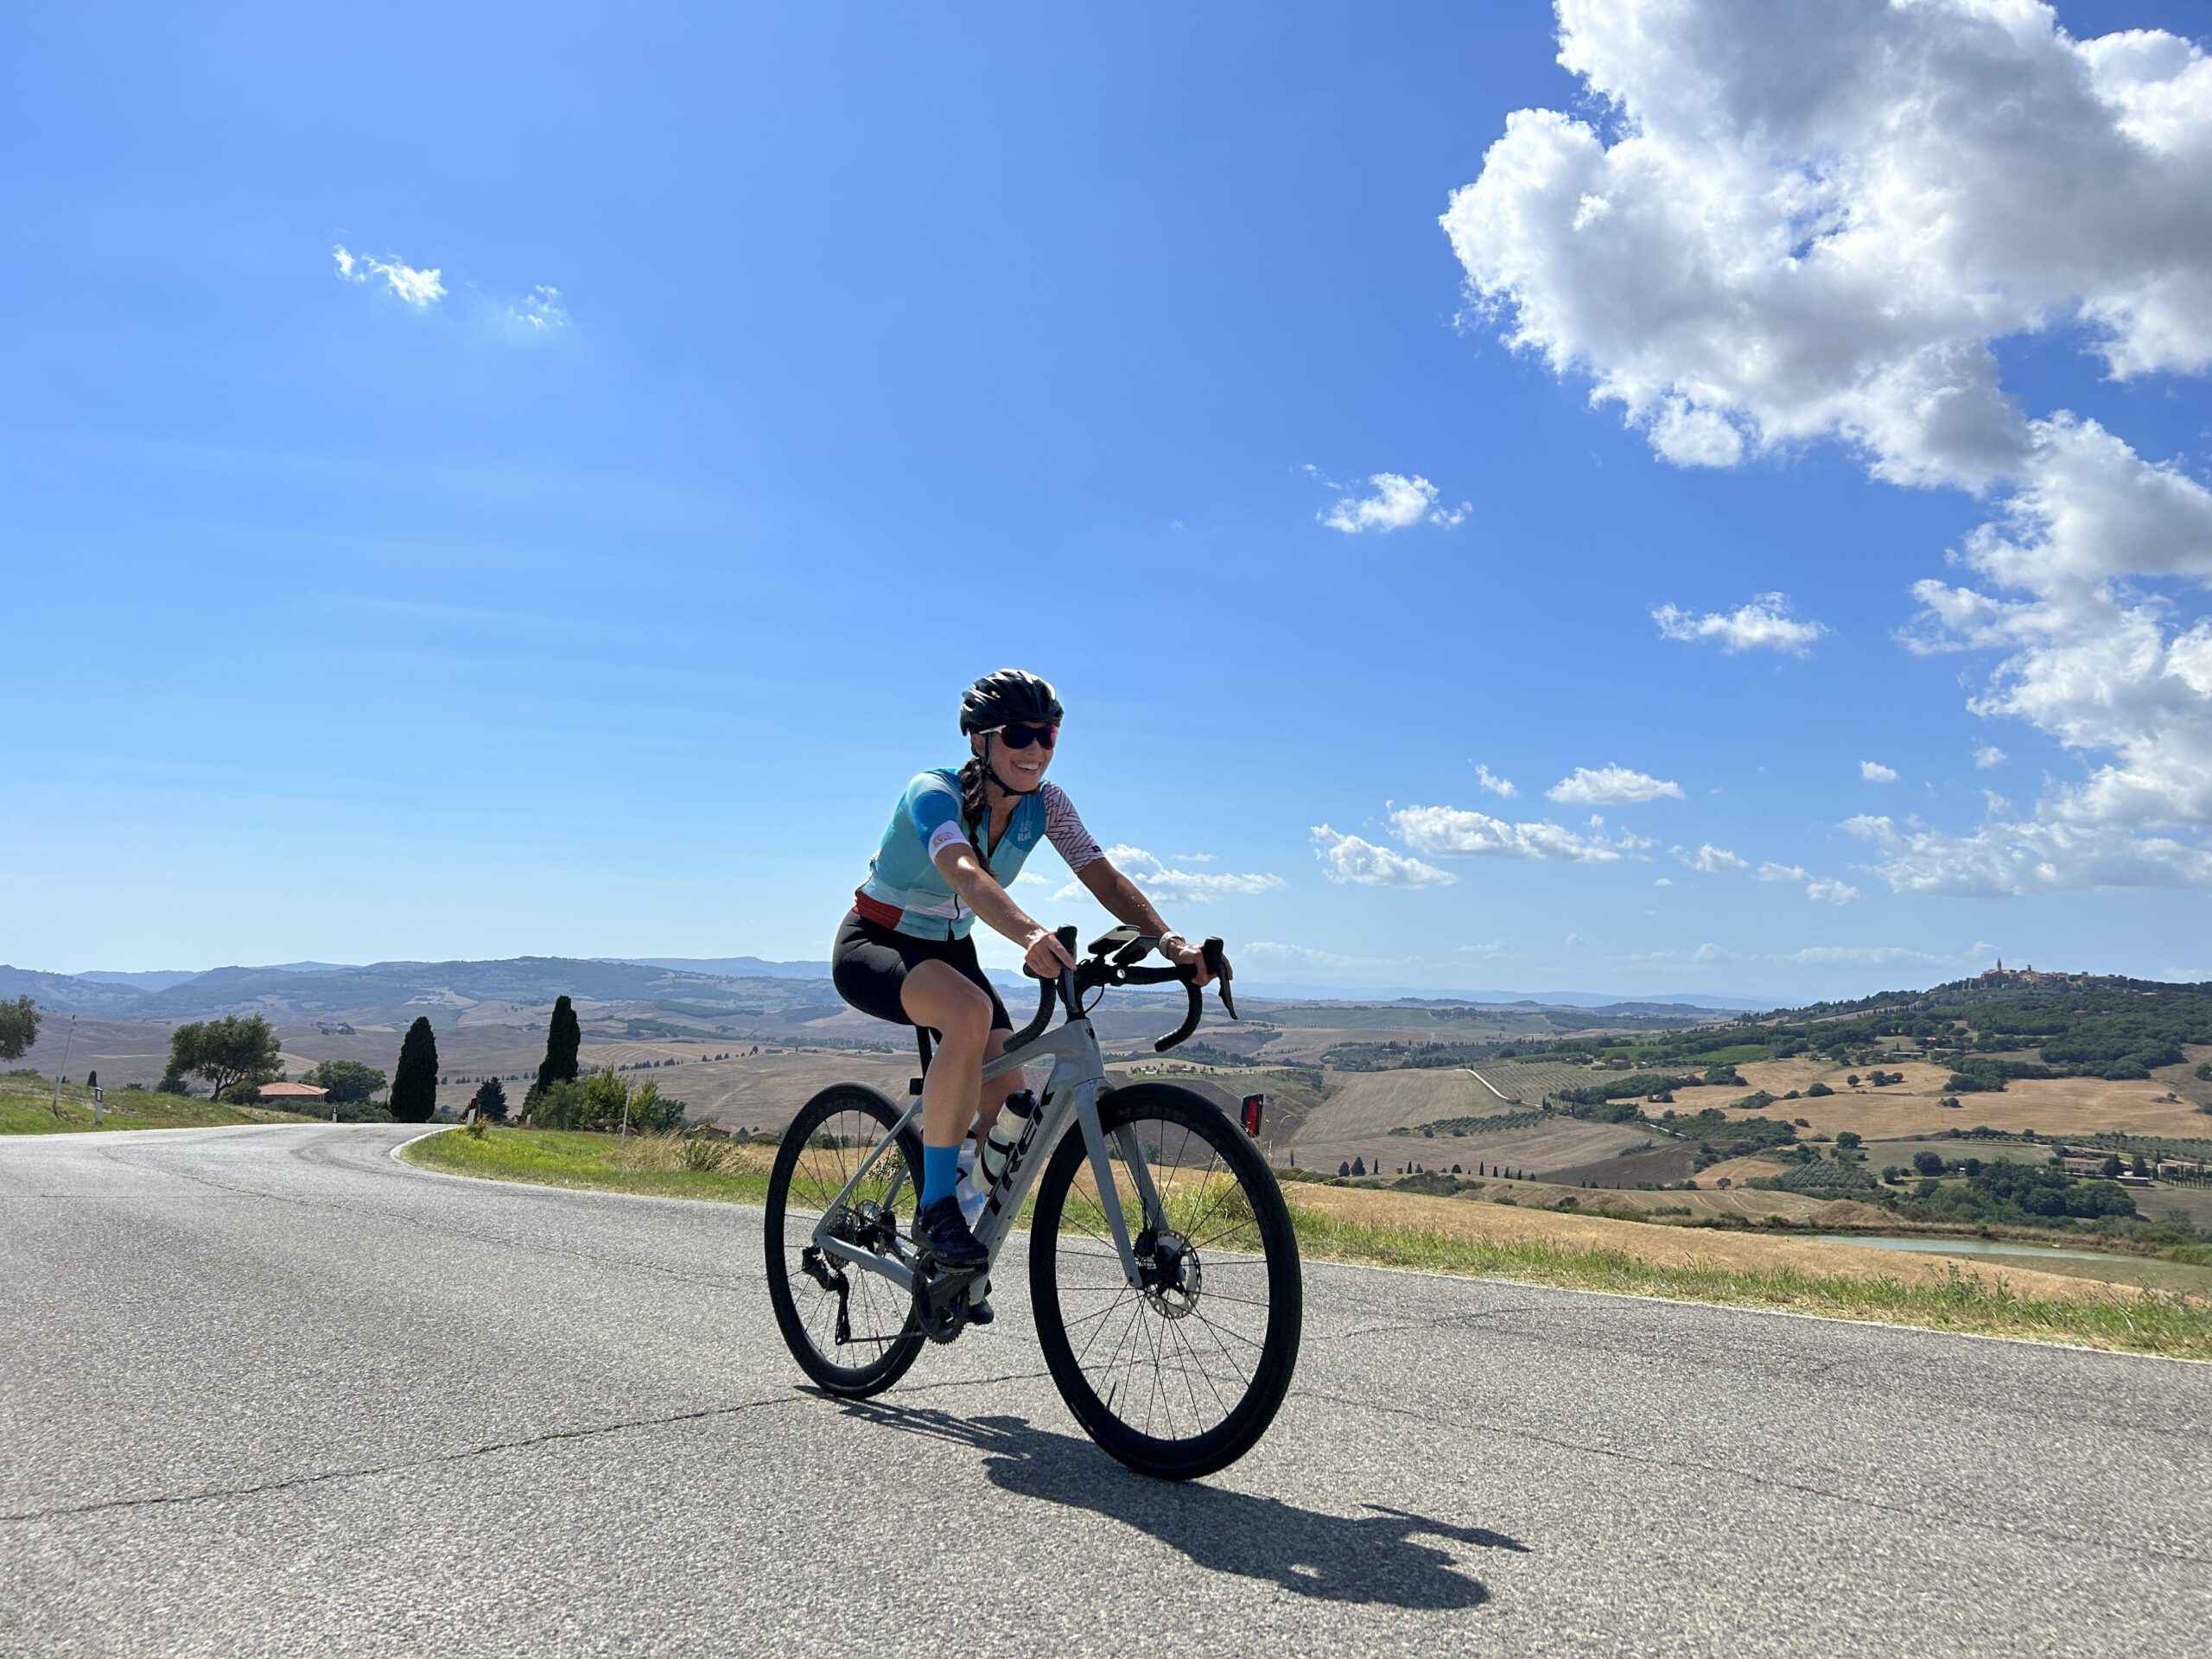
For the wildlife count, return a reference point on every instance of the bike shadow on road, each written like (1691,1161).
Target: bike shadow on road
(1372,1557)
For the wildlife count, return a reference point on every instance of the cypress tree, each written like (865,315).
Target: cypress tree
(492,1100)
(563,1037)
(414,1079)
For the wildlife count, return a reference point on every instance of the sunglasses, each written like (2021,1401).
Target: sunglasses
(1020,737)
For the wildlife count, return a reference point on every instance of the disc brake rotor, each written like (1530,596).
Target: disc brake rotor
(1174,1276)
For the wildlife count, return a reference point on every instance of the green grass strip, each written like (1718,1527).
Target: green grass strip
(577,1157)
(26,1108)
(2154,1323)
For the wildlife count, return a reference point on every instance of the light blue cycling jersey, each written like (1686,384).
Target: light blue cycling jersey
(904,889)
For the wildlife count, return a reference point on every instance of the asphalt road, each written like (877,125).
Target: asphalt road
(269,1391)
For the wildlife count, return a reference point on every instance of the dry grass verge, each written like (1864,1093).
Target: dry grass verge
(1500,1240)
(1837,1280)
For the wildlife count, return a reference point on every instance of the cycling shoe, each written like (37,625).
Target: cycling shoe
(947,1246)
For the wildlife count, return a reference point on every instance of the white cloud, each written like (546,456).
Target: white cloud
(1455,832)
(1571,939)
(1604,786)
(1711,860)
(1733,242)
(1821,889)
(1496,785)
(1308,957)
(1765,624)
(1708,859)
(1834,955)
(1488,948)
(1398,503)
(541,312)
(1159,880)
(2018,856)
(1874,771)
(1664,882)
(420,289)
(1691,437)
(1347,858)
(1710,952)
(1988,754)
(1827,890)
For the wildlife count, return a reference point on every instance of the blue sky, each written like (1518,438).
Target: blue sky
(791,366)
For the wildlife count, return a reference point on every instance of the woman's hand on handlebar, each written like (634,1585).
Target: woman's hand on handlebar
(1046,957)
(1180,951)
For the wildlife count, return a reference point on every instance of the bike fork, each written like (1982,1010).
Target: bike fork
(1110,1195)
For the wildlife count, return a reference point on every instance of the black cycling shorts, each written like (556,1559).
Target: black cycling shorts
(869,964)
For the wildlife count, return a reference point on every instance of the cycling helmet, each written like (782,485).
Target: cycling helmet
(1005,697)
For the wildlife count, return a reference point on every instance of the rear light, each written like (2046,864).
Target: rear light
(1252,1103)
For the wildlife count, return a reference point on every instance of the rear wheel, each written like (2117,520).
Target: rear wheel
(1182,1376)
(851,1331)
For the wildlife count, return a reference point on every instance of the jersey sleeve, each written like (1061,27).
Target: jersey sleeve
(1065,830)
(933,808)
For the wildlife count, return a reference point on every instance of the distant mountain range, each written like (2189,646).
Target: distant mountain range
(296,988)
(1672,1001)
(730,967)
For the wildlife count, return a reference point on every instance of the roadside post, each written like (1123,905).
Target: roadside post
(71,1041)
(99,1102)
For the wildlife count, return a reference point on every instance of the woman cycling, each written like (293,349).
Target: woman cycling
(957,839)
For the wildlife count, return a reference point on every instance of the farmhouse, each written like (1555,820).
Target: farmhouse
(294,1094)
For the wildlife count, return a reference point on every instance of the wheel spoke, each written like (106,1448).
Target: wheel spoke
(1172,1362)
(835,1142)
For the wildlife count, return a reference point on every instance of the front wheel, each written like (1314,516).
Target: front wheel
(1181,1376)
(852,1330)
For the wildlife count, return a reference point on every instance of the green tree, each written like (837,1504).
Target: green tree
(1846,1139)
(1928,1163)
(414,1079)
(491,1100)
(563,1037)
(653,1113)
(348,1081)
(18,1028)
(236,1049)
(92,1079)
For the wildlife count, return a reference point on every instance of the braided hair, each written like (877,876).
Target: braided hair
(974,807)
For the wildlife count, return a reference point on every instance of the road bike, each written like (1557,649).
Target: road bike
(1163,1272)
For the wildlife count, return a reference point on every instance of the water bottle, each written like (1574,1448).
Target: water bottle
(971,1194)
(998,1146)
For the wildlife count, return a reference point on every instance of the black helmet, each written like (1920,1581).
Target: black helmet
(1005,697)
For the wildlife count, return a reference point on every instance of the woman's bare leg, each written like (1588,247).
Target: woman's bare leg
(947,1001)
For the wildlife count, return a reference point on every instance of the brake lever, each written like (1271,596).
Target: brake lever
(1217,960)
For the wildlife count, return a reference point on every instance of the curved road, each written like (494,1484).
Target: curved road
(270,1391)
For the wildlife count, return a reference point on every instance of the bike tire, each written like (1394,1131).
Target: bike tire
(1253,1247)
(812,1175)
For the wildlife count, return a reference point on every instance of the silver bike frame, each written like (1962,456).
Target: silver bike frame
(1078,1079)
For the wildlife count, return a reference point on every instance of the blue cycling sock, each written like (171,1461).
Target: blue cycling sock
(940,1172)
